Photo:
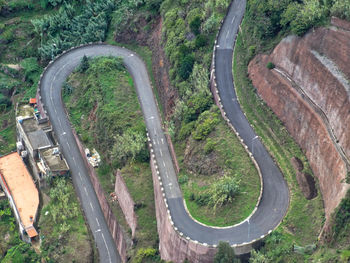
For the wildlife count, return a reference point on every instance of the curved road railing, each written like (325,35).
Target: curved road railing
(275,197)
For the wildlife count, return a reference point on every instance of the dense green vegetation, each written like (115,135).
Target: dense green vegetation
(225,254)
(19,250)
(274,17)
(105,111)
(71,26)
(65,236)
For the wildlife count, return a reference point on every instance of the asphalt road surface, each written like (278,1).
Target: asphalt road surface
(275,198)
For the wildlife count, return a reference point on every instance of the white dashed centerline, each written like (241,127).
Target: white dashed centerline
(233,19)
(109,255)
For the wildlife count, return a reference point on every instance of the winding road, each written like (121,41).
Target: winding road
(275,198)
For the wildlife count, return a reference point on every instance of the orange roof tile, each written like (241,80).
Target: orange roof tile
(21,186)
(31,231)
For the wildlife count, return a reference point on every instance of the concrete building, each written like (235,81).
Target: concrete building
(22,193)
(37,146)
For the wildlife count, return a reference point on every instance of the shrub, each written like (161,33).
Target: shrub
(5,101)
(186,66)
(84,65)
(202,199)
(224,190)
(195,25)
(31,69)
(197,104)
(186,130)
(224,254)
(206,123)
(209,146)
(270,65)
(211,24)
(201,41)
(144,253)
(8,35)
(183,178)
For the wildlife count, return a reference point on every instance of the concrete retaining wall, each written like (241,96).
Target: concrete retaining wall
(126,202)
(173,246)
(113,225)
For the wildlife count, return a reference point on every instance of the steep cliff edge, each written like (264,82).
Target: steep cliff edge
(310,92)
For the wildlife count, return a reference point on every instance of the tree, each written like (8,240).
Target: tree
(84,65)
(225,254)
(257,257)
(186,66)
(195,25)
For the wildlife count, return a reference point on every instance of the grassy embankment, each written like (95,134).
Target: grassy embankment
(105,112)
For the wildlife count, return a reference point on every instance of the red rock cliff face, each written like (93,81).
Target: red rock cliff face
(310,92)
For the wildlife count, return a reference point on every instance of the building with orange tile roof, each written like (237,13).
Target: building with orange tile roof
(21,192)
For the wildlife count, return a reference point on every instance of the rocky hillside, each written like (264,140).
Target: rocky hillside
(309,91)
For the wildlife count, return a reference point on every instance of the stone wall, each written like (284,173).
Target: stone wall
(126,202)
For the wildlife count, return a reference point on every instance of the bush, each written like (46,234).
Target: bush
(201,41)
(31,69)
(186,66)
(224,254)
(84,65)
(224,191)
(8,35)
(209,146)
(195,25)
(183,178)
(206,123)
(211,24)
(5,101)
(197,104)
(144,253)
(186,130)
(270,65)
(203,199)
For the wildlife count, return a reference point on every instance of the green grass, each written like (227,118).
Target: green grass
(304,218)
(228,157)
